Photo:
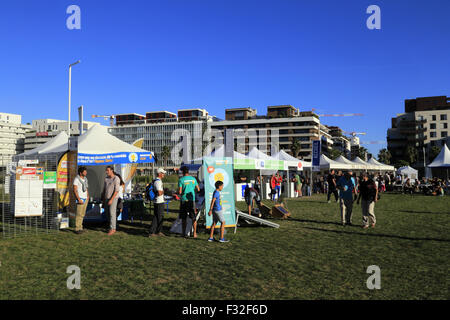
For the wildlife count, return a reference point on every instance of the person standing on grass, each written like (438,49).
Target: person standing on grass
(158,203)
(120,195)
(298,185)
(217,213)
(110,195)
(80,189)
(346,186)
(331,179)
(273,183)
(186,188)
(368,192)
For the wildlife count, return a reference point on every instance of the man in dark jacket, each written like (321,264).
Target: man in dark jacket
(369,194)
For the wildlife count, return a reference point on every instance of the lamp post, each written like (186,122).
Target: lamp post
(70,86)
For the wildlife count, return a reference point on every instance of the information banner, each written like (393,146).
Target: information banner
(316,155)
(50,180)
(114,158)
(215,169)
(29,192)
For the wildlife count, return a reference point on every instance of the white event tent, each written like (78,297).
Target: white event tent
(381,166)
(290,161)
(411,173)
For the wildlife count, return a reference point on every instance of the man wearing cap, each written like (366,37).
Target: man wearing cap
(158,202)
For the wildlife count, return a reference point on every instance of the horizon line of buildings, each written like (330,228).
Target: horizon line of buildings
(424,124)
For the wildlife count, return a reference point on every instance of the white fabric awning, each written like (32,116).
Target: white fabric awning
(442,160)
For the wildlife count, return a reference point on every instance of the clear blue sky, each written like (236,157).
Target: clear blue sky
(139,56)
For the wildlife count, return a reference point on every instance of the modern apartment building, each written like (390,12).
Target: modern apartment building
(283,123)
(129,118)
(12,136)
(43,130)
(424,124)
(163,130)
(340,141)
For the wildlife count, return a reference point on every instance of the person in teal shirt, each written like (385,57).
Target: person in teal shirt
(346,186)
(186,188)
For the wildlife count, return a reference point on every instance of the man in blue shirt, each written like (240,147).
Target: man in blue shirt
(346,186)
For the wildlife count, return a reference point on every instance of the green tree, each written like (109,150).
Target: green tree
(401,163)
(384,156)
(165,154)
(434,151)
(411,154)
(295,147)
(362,152)
(335,153)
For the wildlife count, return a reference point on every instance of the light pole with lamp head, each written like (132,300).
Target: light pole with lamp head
(70,85)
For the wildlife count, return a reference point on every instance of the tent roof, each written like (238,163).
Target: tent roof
(342,159)
(97,140)
(406,169)
(292,161)
(258,154)
(382,165)
(58,144)
(220,153)
(442,160)
(327,163)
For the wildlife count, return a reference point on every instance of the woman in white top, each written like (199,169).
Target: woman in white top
(120,195)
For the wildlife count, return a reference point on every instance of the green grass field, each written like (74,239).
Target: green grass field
(311,256)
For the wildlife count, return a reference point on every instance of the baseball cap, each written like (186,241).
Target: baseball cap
(161,170)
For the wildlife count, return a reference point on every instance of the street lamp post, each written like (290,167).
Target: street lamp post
(70,86)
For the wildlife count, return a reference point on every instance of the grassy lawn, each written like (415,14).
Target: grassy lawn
(310,256)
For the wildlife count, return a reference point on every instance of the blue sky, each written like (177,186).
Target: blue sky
(139,56)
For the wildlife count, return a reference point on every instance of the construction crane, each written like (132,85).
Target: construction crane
(111,118)
(354,134)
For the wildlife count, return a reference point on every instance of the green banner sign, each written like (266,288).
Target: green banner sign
(49,179)
(215,169)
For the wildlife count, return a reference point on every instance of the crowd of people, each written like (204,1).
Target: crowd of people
(345,187)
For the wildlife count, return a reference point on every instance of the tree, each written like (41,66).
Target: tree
(335,153)
(362,152)
(401,163)
(434,152)
(384,156)
(165,154)
(295,147)
(411,154)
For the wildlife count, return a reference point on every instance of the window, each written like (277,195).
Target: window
(443,134)
(432,125)
(443,117)
(432,134)
(444,126)
(433,117)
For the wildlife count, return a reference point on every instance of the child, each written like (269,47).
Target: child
(217,212)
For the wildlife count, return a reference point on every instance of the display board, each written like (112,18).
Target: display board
(215,169)
(114,158)
(50,180)
(316,155)
(29,192)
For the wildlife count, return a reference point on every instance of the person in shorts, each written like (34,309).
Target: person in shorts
(186,188)
(217,213)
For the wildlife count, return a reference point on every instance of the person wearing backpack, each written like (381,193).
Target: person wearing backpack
(156,193)
(369,194)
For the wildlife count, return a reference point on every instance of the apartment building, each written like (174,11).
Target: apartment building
(341,142)
(424,124)
(12,136)
(283,123)
(43,130)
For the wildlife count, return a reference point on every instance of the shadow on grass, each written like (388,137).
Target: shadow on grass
(426,212)
(314,221)
(380,235)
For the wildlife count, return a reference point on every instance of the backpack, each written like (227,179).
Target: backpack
(150,194)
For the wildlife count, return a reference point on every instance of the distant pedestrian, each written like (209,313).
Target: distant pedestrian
(369,195)
(216,211)
(110,196)
(331,179)
(158,203)
(298,185)
(186,189)
(121,195)
(346,187)
(80,189)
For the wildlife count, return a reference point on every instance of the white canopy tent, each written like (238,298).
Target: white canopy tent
(291,161)
(354,166)
(364,164)
(59,144)
(442,160)
(382,166)
(328,164)
(411,173)
(220,153)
